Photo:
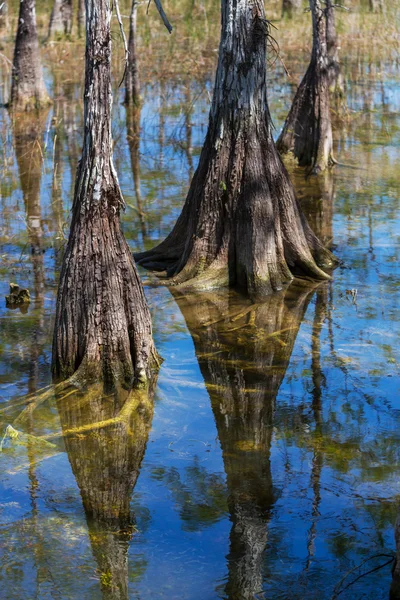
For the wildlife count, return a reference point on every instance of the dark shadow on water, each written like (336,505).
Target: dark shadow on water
(243,351)
(105,438)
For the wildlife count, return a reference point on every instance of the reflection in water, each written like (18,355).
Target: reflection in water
(133,139)
(243,351)
(105,438)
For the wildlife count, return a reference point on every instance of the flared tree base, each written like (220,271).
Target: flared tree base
(241,224)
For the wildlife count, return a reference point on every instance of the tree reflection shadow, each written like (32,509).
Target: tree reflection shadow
(243,351)
(105,438)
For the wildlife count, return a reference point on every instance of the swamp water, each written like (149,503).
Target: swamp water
(268,465)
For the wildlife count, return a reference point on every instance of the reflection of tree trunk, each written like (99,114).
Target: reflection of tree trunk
(317,197)
(243,352)
(318,379)
(28,90)
(105,460)
(133,137)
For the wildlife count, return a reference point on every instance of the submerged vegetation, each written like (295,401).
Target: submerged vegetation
(261,457)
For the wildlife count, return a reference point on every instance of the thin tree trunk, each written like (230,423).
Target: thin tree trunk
(133,138)
(103,325)
(3,15)
(132,82)
(335,79)
(307,131)
(376,6)
(67,16)
(241,223)
(28,90)
(290,7)
(56,25)
(81,17)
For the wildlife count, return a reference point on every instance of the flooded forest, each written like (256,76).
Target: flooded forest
(199,291)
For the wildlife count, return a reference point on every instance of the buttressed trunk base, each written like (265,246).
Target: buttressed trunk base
(307,131)
(241,223)
(103,325)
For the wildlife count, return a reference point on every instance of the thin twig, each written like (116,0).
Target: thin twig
(337,591)
(162,14)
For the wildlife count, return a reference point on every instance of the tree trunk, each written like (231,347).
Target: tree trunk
(28,90)
(376,6)
(132,83)
(67,16)
(3,15)
(56,25)
(241,223)
(103,325)
(332,47)
(106,440)
(243,373)
(81,17)
(307,131)
(290,7)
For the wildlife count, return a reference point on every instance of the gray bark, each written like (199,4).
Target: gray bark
(81,17)
(67,16)
(241,223)
(28,91)
(56,25)
(132,82)
(307,131)
(103,325)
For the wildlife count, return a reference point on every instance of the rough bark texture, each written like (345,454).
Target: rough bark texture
(132,82)
(28,91)
(307,131)
(290,7)
(243,352)
(105,439)
(103,326)
(241,223)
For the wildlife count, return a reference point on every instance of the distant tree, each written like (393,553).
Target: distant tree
(103,326)
(81,17)
(290,7)
(28,90)
(132,82)
(3,15)
(56,25)
(67,16)
(376,6)
(241,223)
(307,131)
